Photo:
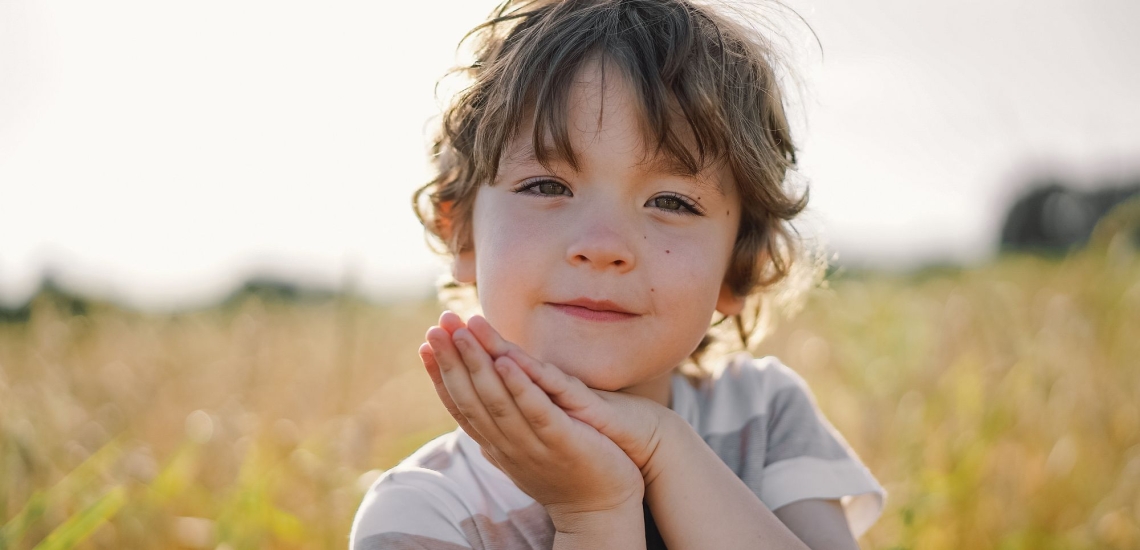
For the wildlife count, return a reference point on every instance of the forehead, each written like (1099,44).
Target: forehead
(602,105)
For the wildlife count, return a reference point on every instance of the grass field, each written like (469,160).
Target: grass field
(999,406)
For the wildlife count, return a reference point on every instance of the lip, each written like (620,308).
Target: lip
(594,310)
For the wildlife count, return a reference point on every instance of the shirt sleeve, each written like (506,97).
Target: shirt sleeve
(806,457)
(761,419)
(408,511)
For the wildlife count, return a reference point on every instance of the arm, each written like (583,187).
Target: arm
(620,529)
(692,488)
(689,488)
(820,523)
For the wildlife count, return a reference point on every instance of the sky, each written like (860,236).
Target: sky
(160,153)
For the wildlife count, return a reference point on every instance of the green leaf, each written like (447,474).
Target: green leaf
(80,526)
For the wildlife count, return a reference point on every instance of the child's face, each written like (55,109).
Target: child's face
(617,231)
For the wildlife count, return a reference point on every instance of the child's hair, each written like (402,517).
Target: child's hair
(684,61)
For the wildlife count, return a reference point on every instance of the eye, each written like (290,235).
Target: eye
(546,188)
(676,204)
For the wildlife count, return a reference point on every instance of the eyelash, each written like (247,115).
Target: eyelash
(686,204)
(534,184)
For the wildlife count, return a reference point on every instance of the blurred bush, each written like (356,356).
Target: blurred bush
(1054,216)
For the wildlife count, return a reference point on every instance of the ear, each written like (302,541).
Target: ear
(728,303)
(463,267)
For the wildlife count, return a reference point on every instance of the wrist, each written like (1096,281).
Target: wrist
(601,528)
(638,426)
(671,429)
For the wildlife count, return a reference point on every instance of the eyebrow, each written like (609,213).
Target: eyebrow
(662,164)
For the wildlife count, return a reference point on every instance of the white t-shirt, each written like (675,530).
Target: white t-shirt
(758,415)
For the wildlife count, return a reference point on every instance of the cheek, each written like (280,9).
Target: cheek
(506,247)
(687,279)
(510,259)
(695,262)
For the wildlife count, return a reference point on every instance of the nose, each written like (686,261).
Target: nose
(601,247)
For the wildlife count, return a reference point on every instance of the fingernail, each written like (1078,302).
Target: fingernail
(460,339)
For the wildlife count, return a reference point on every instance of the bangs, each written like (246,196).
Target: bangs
(671,56)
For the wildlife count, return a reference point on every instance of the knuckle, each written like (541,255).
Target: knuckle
(516,390)
(465,410)
(474,366)
(539,419)
(498,409)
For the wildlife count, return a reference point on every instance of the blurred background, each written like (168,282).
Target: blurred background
(212,285)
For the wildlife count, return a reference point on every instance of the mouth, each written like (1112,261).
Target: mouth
(594,310)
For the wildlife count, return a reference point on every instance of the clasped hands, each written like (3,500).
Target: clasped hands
(575,450)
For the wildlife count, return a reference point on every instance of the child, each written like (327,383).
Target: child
(611,181)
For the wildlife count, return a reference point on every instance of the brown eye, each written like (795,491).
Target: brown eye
(668,203)
(551,188)
(675,204)
(544,188)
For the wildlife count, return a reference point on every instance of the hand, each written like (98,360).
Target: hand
(631,422)
(563,463)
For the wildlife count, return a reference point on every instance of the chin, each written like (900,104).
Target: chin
(602,382)
(600,373)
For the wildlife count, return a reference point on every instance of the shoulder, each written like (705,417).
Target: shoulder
(742,388)
(419,503)
(762,419)
(743,376)
(446,496)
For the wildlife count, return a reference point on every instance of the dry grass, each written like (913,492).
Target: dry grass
(998,405)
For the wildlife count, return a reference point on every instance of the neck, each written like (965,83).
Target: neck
(658,389)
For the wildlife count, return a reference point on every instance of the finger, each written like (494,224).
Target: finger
(489,337)
(457,381)
(496,400)
(451,322)
(566,391)
(432,367)
(550,423)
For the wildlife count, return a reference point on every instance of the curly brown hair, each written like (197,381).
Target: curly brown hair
(685,62)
